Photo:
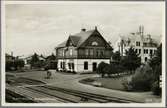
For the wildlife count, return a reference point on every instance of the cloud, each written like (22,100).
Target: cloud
(41,27)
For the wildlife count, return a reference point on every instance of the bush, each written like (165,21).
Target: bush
(155,88)
(9,65)
(127,85)
(89,80)
(100,68)
(142,79)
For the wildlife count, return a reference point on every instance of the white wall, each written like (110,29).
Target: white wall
(79,64)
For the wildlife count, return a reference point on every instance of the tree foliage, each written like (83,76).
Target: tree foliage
(157,59)
(109,69)
(116,56)
(147,76)
(156,64)
(36,62)
(51,57)
(142,79)
(100,68)
(34,59)
(131,60)
(15,64)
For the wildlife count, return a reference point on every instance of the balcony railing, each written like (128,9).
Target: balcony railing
(85,57)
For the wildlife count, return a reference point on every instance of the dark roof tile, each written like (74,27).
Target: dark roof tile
(77,38)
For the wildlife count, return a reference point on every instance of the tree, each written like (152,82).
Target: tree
(156,65)
(51,57)
(131,60)
(157,59)
(116,56)
(100,68)
(34,60)
(108,69)
(18,64)
(51,62)
(147,76)
(9,65)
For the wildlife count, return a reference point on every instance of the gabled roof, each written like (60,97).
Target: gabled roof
(77,39)
(63,44)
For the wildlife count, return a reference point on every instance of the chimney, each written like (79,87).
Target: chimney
(11,53)
(83,29)
(95,27)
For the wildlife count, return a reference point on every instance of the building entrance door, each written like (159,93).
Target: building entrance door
(94,65)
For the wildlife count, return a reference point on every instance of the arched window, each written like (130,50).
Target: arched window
(94,43)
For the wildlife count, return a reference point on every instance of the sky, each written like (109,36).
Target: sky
(40,28)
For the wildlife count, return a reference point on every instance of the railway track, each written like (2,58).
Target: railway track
(49,94)
(37,97)
(96,97)
(75,96)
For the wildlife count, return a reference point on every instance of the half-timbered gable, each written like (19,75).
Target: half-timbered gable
(95,40)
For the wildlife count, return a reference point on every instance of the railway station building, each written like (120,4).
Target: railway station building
(83,51)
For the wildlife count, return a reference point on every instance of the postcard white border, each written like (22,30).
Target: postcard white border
(3,39)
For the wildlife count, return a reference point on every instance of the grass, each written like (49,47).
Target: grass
(110,83)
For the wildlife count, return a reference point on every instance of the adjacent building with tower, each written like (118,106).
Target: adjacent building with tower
(83,51)
(144,45)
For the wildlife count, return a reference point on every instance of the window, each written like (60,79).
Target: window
(70,52)
(94,43)
(85,65)
(146,51)
(70,43)
(137,43)
(72,65)
(61,65)
(136,50)
(87,52)
(91,52)
(151,51)
(63,52)
(102,53)
(145,59)
(139,51)
(69,65)
(97,53)
(144,44)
